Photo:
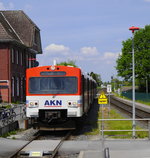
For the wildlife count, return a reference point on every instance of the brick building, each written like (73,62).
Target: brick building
(19,43)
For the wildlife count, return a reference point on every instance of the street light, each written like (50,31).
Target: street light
(133,29)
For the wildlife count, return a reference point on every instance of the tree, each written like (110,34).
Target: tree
(97,78)
(116,83)
(124,60)
(69,62)
(142,56)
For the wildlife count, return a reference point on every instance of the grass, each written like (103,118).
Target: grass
(12,133)
(146,103)
(9,134)
(116,125)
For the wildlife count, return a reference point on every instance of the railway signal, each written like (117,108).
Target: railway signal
(133,29)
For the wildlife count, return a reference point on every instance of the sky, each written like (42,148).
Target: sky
(89,32)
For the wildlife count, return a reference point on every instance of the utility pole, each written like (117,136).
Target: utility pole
(133,29)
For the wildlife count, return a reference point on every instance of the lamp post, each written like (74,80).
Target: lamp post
(133,29)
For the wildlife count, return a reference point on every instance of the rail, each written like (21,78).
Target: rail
(15,154)
(60,144)
(39,152)
(126,130)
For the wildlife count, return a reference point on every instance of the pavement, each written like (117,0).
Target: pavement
(86,149)
(9,146)
(117,148)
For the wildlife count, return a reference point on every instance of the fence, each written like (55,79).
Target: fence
(138,95)
(126,130)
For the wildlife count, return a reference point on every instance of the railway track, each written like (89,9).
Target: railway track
(141,111)
(41,146)
(15,155)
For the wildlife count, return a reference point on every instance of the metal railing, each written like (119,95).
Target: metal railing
(125,130)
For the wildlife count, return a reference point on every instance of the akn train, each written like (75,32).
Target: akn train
(56,96)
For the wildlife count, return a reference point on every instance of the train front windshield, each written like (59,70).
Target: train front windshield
(53,85)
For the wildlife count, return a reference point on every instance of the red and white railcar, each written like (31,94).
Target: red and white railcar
(57,94)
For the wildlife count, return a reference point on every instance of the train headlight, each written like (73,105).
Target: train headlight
(33,104)
(72,104)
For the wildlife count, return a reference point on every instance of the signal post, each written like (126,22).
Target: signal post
(102,100)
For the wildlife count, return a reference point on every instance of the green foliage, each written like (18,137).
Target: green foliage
(116,125)
(97,78)
(124,61)
(120,125)
(8,106)
(9,134)
(142,56)
(69,62)
(116,83)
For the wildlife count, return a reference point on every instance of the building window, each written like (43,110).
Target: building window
(27,60)
(18,90)
(21,88)
(12,55)
(30,61)
(36,36)
(13,86)
(21,59)
(17,57)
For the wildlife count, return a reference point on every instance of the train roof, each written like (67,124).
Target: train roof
(61,67)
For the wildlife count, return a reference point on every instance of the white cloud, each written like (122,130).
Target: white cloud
(109,58)
(54,49)
(110,55)
(88,58)
(89,51)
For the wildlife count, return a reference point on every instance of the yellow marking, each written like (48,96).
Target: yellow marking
(102,99)
(36,153)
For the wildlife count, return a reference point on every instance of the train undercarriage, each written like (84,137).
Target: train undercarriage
(53,120)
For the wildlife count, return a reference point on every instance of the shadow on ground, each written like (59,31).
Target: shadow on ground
(88,121)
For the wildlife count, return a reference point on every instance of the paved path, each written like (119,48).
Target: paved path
(10,146)
(118,148)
